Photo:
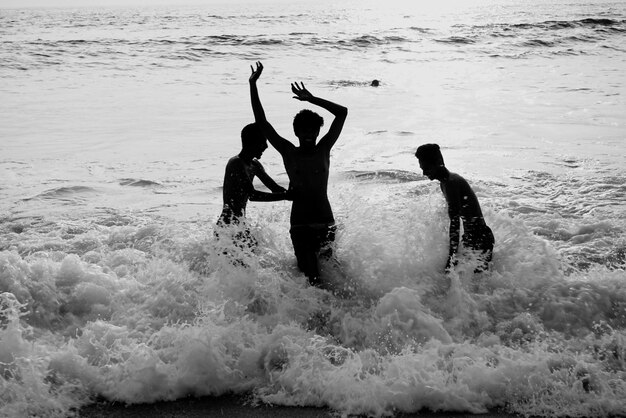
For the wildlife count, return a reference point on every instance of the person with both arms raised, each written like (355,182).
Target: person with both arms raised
(312,222)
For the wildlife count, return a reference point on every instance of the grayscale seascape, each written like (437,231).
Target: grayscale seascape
(117,123)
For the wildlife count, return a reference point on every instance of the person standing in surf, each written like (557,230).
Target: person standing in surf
(312,222)
(462,206)
(238,185)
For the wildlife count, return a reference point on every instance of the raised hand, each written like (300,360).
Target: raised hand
(301,93)
(256,73)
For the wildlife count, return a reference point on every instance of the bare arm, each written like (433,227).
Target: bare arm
(340,113)
(259,196)
(266,179)
(278,142)
(455,232)
(453,198)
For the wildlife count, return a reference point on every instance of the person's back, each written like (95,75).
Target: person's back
(467,207)
(238,178)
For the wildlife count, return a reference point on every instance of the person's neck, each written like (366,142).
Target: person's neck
(307,145)
(442,174)
(247,157)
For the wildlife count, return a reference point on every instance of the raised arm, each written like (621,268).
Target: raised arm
(278,142)
(339,112)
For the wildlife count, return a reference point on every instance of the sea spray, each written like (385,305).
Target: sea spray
(157,311)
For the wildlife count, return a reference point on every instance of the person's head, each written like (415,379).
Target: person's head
(430,159)
(253,142)
(306,125)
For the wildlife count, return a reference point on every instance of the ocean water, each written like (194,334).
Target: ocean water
(116,124)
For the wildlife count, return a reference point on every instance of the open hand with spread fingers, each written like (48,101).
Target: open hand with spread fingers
(256,73)
(301,93)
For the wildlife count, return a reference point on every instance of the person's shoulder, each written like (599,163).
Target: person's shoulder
(256,165)
(456,178)
(236,159)
(323,148)
(235,163)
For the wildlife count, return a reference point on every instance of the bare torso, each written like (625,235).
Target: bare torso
(308,171)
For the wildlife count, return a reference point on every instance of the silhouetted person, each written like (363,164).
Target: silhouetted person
(312,223)
(238,188)
(462,205)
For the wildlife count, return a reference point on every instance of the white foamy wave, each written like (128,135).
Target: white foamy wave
(142,309)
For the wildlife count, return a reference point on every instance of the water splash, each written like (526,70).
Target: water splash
(140,309)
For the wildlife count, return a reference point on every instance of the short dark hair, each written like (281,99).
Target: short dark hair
(307,118)
(430,153)
(251,135)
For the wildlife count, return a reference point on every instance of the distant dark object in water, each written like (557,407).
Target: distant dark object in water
(17,228)
(353,83)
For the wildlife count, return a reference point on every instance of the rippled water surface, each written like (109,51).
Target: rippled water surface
(116,127)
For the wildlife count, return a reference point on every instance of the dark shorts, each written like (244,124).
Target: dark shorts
(481,240)
(309,243)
